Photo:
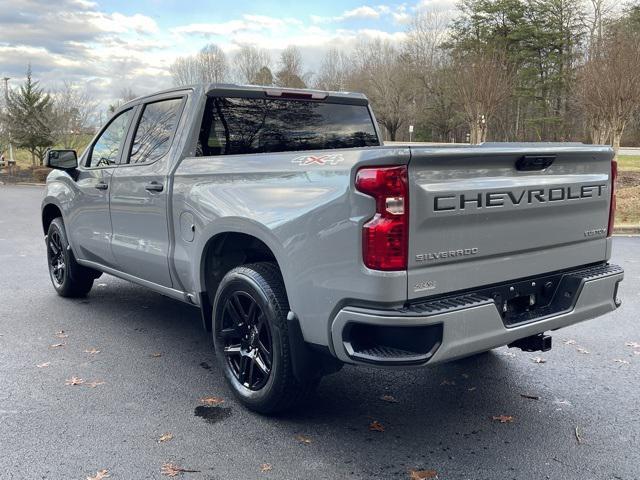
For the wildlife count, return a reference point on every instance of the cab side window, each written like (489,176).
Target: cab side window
(106,150)
(155,131)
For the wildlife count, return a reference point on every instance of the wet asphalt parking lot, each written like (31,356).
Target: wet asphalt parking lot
(146,364)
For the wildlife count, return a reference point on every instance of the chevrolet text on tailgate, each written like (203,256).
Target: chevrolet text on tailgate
(308,244)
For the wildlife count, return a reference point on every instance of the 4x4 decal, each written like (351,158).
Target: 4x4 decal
(329,159)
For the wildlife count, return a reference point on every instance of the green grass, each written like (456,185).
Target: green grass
(628,208)
(629,163)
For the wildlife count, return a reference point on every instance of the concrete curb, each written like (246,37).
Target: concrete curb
(627,230)
(23,184)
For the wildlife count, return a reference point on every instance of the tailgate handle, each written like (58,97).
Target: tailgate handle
(534,162)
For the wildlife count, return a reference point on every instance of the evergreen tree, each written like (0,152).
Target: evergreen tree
(30,118)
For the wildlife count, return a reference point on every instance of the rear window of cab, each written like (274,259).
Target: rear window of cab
(261,125)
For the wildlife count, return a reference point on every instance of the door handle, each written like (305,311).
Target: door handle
(154,187)
(102,186)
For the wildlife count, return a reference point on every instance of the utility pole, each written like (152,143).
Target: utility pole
(6,106)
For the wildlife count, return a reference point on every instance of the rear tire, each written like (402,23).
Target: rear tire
(68,277)
(250,333)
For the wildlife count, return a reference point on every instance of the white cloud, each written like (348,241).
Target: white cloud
(437,5)
(360,12)
(248,23)
(364,12)
(76,40)
(224,28)
(120,23)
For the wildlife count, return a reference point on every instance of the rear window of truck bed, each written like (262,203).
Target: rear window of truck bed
(260,125)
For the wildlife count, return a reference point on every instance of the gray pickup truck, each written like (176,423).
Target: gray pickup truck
(306,243)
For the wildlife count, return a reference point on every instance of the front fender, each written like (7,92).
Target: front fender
(58,192)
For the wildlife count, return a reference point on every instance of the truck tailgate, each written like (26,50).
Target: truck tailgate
(490,214)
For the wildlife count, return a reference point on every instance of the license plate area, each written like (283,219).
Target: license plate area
(529,300)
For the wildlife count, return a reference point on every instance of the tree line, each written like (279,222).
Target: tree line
(498,70)
(503,70)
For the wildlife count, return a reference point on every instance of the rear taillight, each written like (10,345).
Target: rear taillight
(385,237)
(612,208)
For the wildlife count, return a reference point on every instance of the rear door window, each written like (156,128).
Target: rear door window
(259,125)
(155,131)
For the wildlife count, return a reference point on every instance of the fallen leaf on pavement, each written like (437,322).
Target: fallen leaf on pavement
(582,350)
(389,398)
(422,474)
(57,345)
(539,360)
(74,381)
(156,355)
(94,384)
(266,467)
(60,334)
(304,439)
(92,351)
(569,342)
(530,397)
(43,365)
(171,470)
(211,401)
(376,426)
(578,436)
(165,437)
(503,418)
(619,360)
(100,474)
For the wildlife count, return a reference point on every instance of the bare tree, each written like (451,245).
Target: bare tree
(74,110)
(126,95)
(291,71)
(185,71)
(598,12)
(481,83)
(425,36)
(264,77)
(608,88)
(213,64)
(249,62)
(209,65)
(383,74)
(335,72)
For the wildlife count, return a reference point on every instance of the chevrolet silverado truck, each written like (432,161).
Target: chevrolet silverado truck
(307,244)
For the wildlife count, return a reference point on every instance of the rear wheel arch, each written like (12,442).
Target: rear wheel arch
(223,252)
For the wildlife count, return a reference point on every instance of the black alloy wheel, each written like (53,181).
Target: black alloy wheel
(251,339)
(69,278)
(248,347)
(56,256)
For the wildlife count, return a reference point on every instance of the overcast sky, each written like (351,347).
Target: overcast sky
(110,45)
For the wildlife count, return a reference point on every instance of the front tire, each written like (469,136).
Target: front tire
(251,339)
(68,278)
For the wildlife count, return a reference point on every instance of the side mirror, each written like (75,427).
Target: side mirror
(61,159)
